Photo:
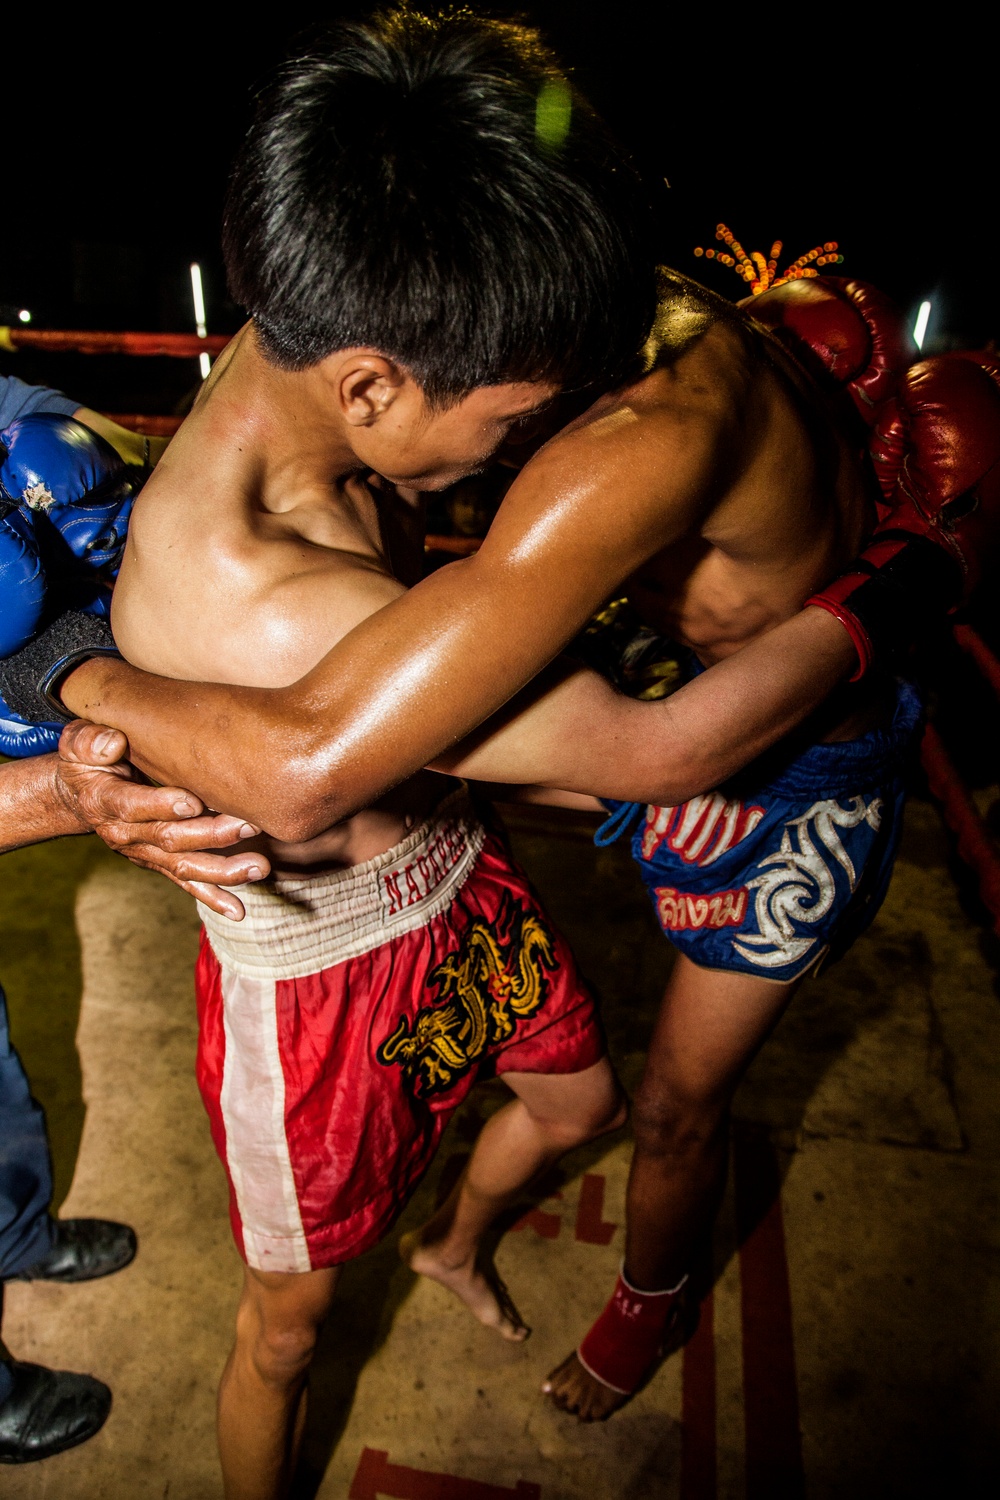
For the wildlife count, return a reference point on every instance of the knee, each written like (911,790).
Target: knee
(672,1122)
(600,1117)
(279,1348)
(615,1115)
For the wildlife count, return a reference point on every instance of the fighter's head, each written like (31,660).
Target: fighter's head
(431,189)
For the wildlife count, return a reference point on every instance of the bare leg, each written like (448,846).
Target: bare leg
(262,1397)
(710,1027)
(552,1113)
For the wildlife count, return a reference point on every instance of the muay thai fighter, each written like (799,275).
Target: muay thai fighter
(394,957)
(716,482)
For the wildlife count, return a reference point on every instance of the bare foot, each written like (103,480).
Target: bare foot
(480,1287)
(573,1389)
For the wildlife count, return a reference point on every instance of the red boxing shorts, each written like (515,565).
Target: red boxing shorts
(347,1017)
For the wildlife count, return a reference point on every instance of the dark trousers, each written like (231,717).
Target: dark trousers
(26,1230)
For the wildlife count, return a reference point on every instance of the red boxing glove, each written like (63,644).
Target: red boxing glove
(840,328)
(936,449)
(935,446)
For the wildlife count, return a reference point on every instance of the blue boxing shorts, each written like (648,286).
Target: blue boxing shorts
(782,878)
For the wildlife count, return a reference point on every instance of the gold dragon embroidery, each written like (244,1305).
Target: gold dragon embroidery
(484,987)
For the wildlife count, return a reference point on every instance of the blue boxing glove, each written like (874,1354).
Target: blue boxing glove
(77,494)
(20,737)
(65,501)
(22,579)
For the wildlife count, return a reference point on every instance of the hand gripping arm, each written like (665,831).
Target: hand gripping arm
(89,787)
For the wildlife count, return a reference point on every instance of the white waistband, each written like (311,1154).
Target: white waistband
(299,925)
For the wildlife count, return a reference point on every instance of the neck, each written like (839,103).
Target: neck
(284,419)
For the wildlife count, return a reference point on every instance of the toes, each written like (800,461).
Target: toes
(556,1376)
(561,1397)
(571,1390)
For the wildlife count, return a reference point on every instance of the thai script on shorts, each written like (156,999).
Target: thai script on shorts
(679,909)
(413,882)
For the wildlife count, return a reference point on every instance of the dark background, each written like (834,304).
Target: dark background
(868,126)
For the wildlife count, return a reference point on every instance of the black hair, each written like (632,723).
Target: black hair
(431,186)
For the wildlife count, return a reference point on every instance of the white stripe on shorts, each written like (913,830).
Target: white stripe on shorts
(253,1111)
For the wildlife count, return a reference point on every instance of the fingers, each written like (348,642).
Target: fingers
(202,876)
(119,800)
(92,744)
(95,747)
(217,869)
(224,902)
(196,865)
(216,831)
(213,831)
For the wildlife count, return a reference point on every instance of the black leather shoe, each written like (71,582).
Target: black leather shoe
(84,1250)
(49,1411)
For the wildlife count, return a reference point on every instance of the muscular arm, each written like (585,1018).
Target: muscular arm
(414,678)
(410,681)
(571,730)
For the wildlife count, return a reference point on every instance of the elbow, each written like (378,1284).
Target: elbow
(306,791)
(299,810)
(680,777)
(288,796)
(293,825)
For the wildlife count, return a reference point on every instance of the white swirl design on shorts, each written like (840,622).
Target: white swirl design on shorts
(799,885)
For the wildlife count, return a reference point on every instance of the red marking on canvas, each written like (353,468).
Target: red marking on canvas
(375,1476)
(698,1443)
(774,1469)
(545,1224)
(591,1226)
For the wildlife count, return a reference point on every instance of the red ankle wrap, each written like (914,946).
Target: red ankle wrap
(628,1336)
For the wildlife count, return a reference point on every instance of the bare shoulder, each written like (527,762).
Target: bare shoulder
(216,589)
(648,460)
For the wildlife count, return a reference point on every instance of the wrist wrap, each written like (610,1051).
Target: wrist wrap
(629,1335)
(634,658)
(901,585)
(30,678)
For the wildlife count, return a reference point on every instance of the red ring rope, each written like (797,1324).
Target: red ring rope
(973,645)
(974,842)
(84,341)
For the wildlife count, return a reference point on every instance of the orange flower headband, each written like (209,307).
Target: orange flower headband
(758,273)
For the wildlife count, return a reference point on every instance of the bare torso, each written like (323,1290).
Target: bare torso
(236,574)
(247,570)
(791,503)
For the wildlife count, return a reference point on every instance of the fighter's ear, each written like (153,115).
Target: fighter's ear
(365,384)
